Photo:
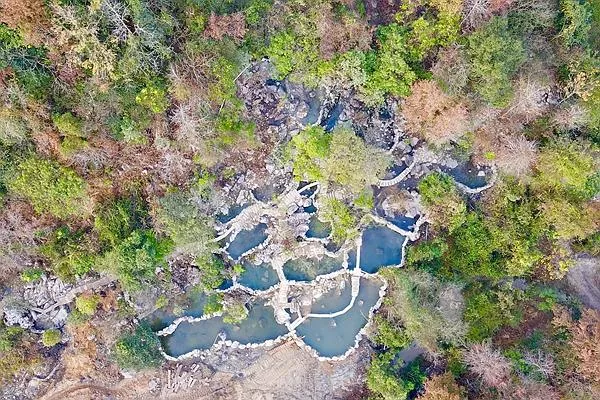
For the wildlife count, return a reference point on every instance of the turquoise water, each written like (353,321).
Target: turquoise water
(380,247)
(334,336)
(246,240)
(258,277)
(259,326)
(318,228)
(309,269)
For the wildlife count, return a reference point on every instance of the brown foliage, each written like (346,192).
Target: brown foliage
(18,227)
(531,390)
(338,36)
(585,343)
(489,364)
(434,115)
(451,70)
(441,387)
(232,25)
(28,16)
(514,154)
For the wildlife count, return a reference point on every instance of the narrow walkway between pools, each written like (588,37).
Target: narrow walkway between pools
(356,275)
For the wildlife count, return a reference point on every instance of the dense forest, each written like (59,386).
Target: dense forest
(126,126)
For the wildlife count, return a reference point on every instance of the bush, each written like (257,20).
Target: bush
(87,303)
(429,310)
(343,222)
(235,313)
(116,220)
(31,275)
(138,350)
(51,188)
(71,253)
(136,258)
(179,217)
(51,337)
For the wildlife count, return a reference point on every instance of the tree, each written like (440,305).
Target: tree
(139,349)
(442,201)
(442,387)
(495,56)
(383,379)
(51,188)
(136,258)
(489,364)
(429,311)
(433,115)
(585,343)
(575,21)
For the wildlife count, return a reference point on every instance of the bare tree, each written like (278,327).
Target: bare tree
(475,13)
(489,364)
(542,362)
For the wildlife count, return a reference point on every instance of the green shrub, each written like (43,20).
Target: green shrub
(87,304)
(153,97)
(383,378)
(214,304)
(68,125)
(71,253)
(31,275)
(235,313)
(138,350)
(389,336)
(51,337)
(51,188)
(180,218)
(574,23)
(343,222)
(212,271)
(117,219)
(134,260)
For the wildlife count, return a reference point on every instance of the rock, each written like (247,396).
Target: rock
(481,173)
(18,316)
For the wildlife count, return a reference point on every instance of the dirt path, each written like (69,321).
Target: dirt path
(584,277)
(70,392)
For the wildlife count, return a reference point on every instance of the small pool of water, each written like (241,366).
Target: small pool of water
(468,175)
(246,240)
(334,300)
(380,247)
(227,283)
(394,171)
(314,107)
(334,336)
(233,212)
(258,277)
(333,117)
(267,193)
(317,228)
(308,269)
(260,325)
(403,222)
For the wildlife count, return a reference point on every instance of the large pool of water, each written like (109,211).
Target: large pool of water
(334,336)
(258,277)
(259,326)
(246,240)
(308,269)
(380,247)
